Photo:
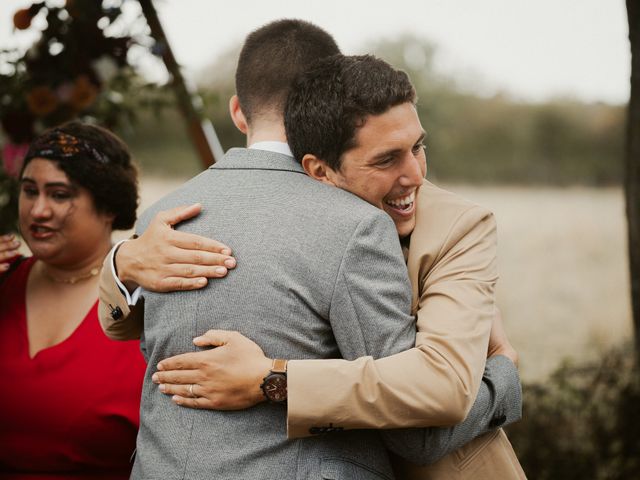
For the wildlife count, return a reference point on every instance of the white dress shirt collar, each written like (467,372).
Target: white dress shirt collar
(272,146)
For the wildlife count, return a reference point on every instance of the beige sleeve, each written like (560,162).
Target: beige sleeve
(434,383)
(125,323)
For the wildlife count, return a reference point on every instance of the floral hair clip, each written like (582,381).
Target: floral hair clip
(60,145)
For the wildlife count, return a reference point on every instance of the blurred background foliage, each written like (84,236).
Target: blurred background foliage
(78,67)
(470,138)
(583,421)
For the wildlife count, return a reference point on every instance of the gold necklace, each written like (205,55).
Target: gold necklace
(73,280)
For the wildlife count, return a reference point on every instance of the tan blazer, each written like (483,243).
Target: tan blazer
(452,267)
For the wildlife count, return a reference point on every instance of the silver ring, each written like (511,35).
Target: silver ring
(191,391)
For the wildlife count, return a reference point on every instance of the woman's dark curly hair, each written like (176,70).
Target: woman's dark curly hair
(96,159)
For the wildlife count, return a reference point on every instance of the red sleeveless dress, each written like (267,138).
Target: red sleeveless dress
(72,411)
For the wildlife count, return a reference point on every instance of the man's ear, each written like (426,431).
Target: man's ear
(318,169)
(237,116)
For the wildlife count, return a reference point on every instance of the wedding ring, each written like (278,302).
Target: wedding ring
(191,391)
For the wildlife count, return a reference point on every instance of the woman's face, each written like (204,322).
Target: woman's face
(58,219)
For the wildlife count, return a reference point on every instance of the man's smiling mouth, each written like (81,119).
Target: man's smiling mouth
(403,204)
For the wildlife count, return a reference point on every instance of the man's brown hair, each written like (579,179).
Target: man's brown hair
(272,57)
(332,100)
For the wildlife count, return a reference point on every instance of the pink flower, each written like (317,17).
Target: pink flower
(12,156)
(64,92)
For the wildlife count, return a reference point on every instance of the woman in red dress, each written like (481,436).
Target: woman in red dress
(70,404)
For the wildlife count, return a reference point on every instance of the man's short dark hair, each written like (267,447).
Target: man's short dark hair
(96,159)
(272,57)
(329,102)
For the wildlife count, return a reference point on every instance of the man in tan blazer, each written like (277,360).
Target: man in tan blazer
(451,261)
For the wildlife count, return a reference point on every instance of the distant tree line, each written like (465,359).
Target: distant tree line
(470,138)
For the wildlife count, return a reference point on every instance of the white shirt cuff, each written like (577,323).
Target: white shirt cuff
(132,298)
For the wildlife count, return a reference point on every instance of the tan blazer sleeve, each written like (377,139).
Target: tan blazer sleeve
(119,320)
(453,273)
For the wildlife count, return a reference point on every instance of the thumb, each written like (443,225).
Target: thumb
(213,338)
(179,214)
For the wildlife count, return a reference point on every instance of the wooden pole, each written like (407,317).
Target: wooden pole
(632,166)
(201,131)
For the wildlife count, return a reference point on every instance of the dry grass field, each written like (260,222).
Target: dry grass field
(563,283)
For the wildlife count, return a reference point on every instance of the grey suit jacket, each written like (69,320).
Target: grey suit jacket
(320,275)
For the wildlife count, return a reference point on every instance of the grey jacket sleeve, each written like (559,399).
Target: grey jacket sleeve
(499,403)
(371,302)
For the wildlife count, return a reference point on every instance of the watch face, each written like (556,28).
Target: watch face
(275,387)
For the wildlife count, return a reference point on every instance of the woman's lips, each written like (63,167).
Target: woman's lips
(40,232)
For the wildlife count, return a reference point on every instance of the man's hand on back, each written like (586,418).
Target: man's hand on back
(163,259)
(227,377)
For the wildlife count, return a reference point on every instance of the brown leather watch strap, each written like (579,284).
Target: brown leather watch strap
(279,366)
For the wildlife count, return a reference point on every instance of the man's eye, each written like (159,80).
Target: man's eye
(417,148)
(385,161)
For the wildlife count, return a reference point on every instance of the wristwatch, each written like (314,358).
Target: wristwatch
(274,385)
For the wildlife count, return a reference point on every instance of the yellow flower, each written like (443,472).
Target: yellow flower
(41,101)
(84,93)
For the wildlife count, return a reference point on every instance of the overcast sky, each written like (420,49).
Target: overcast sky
(530,49)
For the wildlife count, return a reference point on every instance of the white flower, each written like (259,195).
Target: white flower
(105,67)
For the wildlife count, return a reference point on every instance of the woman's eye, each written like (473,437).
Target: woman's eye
(29,191)
(61,195)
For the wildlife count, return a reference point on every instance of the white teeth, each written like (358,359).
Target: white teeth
(402,202)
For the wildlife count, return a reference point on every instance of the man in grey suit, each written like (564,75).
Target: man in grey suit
(323,276)
(314,285)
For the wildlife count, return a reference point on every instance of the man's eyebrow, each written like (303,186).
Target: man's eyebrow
(386,153)
(395,151)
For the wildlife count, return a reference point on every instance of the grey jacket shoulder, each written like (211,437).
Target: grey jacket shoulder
(330,203)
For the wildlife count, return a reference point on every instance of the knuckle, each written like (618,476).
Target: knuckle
(189,271)
(202,364)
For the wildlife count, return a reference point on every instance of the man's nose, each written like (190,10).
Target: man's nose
(413,171)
